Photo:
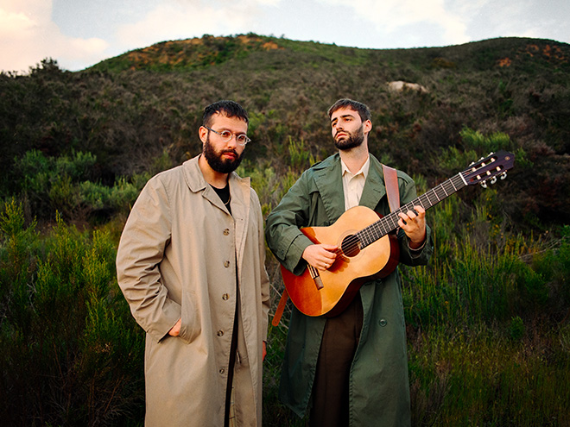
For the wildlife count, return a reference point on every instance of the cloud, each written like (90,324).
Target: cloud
(11,22)
(27,35)
(389,16)
(181,19)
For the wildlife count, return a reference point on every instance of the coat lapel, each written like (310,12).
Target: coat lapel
(240,204)
(196,182)
(328,179)
(374,188)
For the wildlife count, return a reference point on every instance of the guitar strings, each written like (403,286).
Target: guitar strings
(388,223)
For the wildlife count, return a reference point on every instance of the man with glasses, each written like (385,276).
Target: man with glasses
(191,264)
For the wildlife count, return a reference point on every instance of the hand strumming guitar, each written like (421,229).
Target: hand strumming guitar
(320,256)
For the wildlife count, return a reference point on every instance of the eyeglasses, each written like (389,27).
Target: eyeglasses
(241,138)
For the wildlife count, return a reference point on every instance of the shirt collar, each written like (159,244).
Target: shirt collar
(363,170)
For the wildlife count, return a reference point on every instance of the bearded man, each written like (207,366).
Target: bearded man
(350,369)
(191,264)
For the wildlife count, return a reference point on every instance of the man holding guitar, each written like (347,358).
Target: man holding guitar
(345,360)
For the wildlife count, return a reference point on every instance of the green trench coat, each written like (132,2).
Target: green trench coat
(379,387)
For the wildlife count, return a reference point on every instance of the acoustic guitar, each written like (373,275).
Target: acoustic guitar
(367,246)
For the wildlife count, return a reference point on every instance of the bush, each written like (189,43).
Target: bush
(71,352)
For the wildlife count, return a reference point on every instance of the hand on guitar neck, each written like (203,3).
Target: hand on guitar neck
(320,256)
(414,225)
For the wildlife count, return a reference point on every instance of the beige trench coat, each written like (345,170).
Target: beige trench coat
(177,259)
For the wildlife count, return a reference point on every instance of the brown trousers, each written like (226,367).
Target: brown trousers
(330,389)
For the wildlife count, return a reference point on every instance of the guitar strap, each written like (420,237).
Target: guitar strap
(392,189)
(280,308)
(393,193)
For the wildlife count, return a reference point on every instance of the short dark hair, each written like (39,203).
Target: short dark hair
(362,109)
(227,108)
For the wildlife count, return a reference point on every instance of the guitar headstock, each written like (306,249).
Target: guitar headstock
(489,168)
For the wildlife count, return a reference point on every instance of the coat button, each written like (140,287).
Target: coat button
(226,264)
(222,371)
(220,333)
(382,322)
(226,231)
(225,297)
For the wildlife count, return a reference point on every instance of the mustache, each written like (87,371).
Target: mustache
(230,150)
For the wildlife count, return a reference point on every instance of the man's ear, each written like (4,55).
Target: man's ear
(203,133)
(367,126)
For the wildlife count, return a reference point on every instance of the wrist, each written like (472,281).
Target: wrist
(417,246)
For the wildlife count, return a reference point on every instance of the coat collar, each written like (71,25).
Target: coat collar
(328,179)
(240,198)
(239,187)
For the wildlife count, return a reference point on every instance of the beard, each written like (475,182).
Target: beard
(215,160)
(353,140)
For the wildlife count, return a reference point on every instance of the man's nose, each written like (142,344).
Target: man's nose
(233,141)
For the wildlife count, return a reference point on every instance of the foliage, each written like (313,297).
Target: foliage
(71,352)
(514,90)
(62,184)
(488,322)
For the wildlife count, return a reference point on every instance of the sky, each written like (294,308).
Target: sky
(81,33)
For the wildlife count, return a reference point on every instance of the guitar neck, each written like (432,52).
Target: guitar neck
(430,198)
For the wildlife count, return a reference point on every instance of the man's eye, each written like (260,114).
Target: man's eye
(226,134)
(241,138)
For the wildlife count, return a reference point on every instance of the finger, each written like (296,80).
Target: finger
(412,214)
(329,257)
(419,210)
(329,248)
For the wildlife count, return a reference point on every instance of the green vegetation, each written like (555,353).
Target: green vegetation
(71,354)
(488,320)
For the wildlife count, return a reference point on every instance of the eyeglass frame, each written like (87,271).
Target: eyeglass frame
(233,134)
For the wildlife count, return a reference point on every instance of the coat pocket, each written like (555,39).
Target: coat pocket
(190,324)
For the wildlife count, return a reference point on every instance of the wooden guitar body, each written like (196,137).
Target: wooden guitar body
(367,247)
(343,279)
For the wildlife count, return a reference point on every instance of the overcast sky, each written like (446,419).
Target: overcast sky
(80,33)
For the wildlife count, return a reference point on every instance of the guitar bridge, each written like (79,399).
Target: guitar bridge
(316,277)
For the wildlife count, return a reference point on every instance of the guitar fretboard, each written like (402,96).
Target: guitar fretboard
(430,198)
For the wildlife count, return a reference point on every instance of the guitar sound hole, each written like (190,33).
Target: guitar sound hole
(351,245)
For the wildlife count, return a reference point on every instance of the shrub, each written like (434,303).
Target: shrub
(71,352)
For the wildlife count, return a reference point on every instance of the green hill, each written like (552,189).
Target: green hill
(131,109)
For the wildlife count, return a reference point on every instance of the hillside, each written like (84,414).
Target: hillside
(488,320)
(146,104)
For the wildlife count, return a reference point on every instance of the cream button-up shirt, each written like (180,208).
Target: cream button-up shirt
(353,184)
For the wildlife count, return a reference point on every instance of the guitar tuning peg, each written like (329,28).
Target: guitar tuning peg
(484,184)
(504,175)
(494,180)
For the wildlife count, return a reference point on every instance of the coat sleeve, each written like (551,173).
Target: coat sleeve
(282,231)
(141,250)
(409,256)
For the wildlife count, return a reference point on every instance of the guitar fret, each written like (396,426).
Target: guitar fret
(430,198)
(451,180)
